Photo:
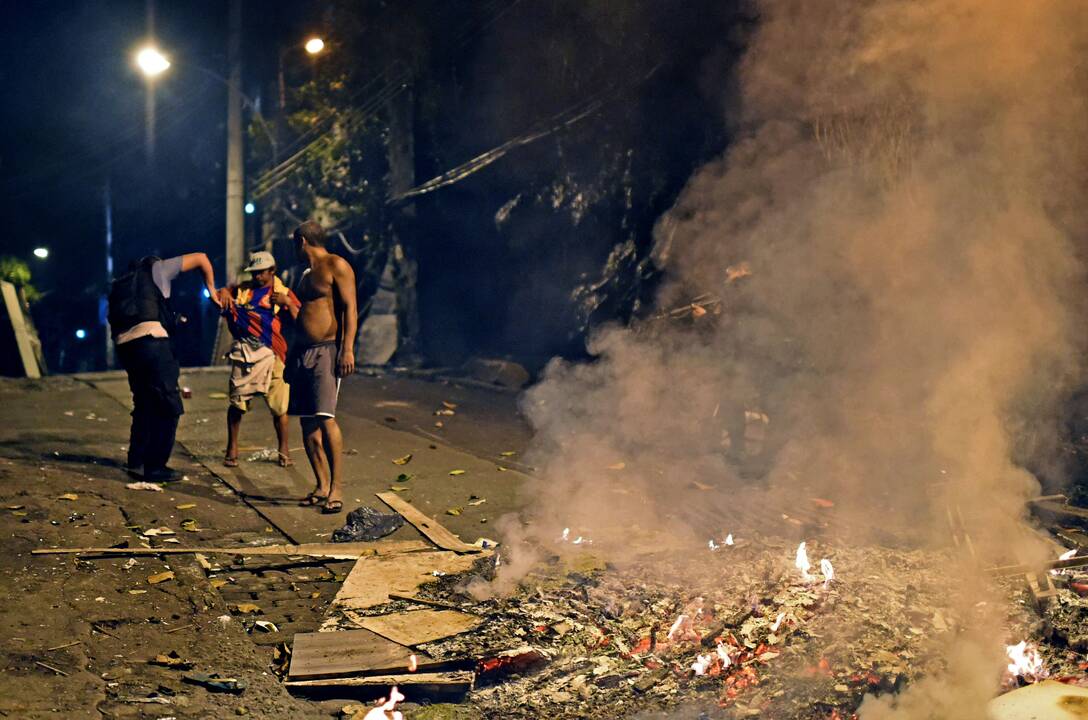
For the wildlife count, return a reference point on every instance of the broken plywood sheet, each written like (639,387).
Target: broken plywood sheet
(336,551)
(373,578)
(354,652)
(458,680)
(418,626)
(430,527)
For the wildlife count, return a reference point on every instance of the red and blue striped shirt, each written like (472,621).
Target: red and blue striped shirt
(254,318)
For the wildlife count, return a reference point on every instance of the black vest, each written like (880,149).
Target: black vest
(135,298)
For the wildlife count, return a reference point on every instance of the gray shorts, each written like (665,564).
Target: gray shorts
(311,372)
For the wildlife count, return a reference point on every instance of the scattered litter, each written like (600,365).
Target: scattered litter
(403,460)
(366,523)
(137,592)
(160,577)
(457,472)
(265,455)
(454,511)
(508,453)
(247,608)
(171,660)
(68,496)
(190,525)
(444,411)
(214,683)
(144,485)
(185,506)
(485,543)
(474,503)
(154,532)
(265,626)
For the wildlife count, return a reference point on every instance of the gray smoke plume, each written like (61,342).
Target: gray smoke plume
(892,236)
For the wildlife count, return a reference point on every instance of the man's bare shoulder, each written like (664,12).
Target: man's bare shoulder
(339,266)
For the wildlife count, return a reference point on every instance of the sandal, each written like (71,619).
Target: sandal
(313,499)
(332,507)
(230,462)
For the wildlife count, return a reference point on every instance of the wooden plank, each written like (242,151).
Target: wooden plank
(340,551)
(447,681)
(419,626)
(339,654)
(373,579)
(430,527)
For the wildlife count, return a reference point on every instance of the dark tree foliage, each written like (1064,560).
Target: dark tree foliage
(519,258)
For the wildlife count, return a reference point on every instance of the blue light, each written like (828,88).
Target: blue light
(80,334)
(250,208)
(206,293)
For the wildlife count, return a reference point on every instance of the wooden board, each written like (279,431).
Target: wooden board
(340,551)
(430,527)
(339,654)
(373,578)
(418,626)
(448,681)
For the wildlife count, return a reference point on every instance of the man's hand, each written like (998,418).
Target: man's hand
(223,298)
(215,297)
(346,363)
(281,298)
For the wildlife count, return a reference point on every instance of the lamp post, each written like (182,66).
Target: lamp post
(313,46)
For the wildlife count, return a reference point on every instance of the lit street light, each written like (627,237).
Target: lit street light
(314,45)
(41,253)
(250,208)
(151,62)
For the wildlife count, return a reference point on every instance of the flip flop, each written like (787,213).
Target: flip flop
(312,499)
(230,462)
(332,507)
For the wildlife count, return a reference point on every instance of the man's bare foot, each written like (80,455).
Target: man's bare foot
(285,458)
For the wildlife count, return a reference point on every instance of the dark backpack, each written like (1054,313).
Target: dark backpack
(135,298)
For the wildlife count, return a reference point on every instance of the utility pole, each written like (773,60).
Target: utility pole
(107,203)
(235,183)
(402,176)
(149,96)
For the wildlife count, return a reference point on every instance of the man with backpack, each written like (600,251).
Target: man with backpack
(140,323)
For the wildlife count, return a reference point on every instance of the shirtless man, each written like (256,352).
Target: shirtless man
(323,353)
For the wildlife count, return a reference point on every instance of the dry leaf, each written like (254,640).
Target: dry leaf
(449,405)
(136,592)
(481,501)
(190,525)
(185,506)
(508,453)
(16,507)
(218,582)
(398,488)
(247,608)
(457,472)
(68,496)
(403,460)
(454,511)
(217,396)
(160,577)
(152,532)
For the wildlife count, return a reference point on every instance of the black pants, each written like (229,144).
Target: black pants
(153,378)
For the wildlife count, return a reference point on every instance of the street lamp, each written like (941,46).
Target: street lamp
(152,62)
(314,45)
(41,253)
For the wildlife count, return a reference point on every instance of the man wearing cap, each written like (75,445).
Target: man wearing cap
(254,311)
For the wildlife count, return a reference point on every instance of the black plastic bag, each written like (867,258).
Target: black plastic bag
(366,523)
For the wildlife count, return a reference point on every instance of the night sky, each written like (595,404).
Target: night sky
(73,119)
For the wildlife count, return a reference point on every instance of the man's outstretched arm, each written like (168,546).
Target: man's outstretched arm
(199,261)
(344,281)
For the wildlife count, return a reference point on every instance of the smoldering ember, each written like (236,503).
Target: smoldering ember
(716,359)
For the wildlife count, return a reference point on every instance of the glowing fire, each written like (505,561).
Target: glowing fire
(565,537)
(1064,556)
(702,664)
(388,708)
(1025,661)
(828,571)
(723,656)
(803,564)
(413,663)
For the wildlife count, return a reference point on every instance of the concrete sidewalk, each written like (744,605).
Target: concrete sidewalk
(370,448)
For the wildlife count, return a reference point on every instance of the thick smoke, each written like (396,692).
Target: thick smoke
(891,235)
